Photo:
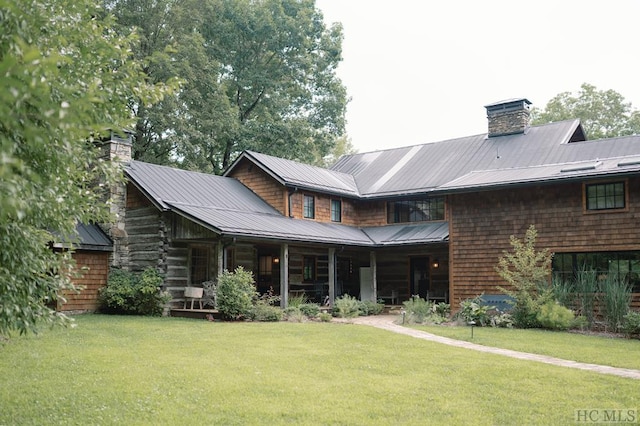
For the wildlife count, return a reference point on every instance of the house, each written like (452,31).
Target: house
(429,219)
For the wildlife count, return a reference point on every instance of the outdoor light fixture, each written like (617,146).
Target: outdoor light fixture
(436,263)
(276,260)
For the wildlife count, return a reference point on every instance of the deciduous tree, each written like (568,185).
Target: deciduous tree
(66,79)
(603,113)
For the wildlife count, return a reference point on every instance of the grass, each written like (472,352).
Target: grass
(615,352)
(131,370)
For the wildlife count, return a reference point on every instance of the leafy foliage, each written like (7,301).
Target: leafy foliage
(527,272)
(256,75)
(66,79)
(130,293)
(369,307)
(236,292)
(346,306)
(474,311)
(554,316)
(266,308)
(603,113)
(631,323)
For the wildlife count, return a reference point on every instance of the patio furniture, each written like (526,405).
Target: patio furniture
(193,294)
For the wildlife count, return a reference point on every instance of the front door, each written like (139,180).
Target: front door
(419,273)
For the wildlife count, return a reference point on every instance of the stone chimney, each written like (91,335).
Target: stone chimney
(508,117)
(118,147)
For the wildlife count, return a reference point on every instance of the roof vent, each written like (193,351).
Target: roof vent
(508,117)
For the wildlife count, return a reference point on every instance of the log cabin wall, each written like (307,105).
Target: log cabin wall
(262,184)
(92,280)
(481,223)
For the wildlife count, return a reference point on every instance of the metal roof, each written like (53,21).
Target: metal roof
(305,176)
(166,185)
(485,179)
(430,167)
(88,237)
(431,232)
(227,207)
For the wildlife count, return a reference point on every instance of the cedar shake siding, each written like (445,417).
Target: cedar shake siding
(265,186)
(482,222)
(95,269)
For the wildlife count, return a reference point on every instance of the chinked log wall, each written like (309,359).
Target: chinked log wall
(482,222)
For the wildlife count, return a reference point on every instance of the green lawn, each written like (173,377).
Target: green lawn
(616,352)
(126,370)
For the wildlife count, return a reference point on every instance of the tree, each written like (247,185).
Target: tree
(526,271)
(603,113)
(256,75)
(66,79)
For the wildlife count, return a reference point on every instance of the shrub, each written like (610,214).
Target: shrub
(526,270)
(473,310)
(631,323)
(297,300)
(137,294)
(294,314)
(310,310)
(418,310)
(367,307)
(346,307)
(266,308)
(325,317)
(235,294)
(554,316)
(502,320)
(616,299)
(443,309)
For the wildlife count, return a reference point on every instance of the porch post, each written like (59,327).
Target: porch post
(332,275)
(284,275)
(374,274)
(221,265)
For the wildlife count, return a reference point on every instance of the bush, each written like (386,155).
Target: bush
(297,300)
(502,320)
(418,310)
(346,307)
(235,294)
(294,314)
(367,307)
(526,270)
(137,294)
(631,323)
(266,308)
(473,310)
(310,310)
(554,316)
(325,317)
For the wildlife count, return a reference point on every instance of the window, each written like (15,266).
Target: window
(265,268)
(336,211)
(199,265)
(309,208)
(623,266)
(415,210)
(308,268)
(605,196)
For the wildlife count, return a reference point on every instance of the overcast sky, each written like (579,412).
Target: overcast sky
(421,71)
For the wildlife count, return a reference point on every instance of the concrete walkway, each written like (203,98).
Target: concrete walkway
(387,322)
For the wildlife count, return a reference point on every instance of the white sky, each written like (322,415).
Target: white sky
(421,71)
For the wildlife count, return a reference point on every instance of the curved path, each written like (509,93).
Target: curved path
(386,322)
